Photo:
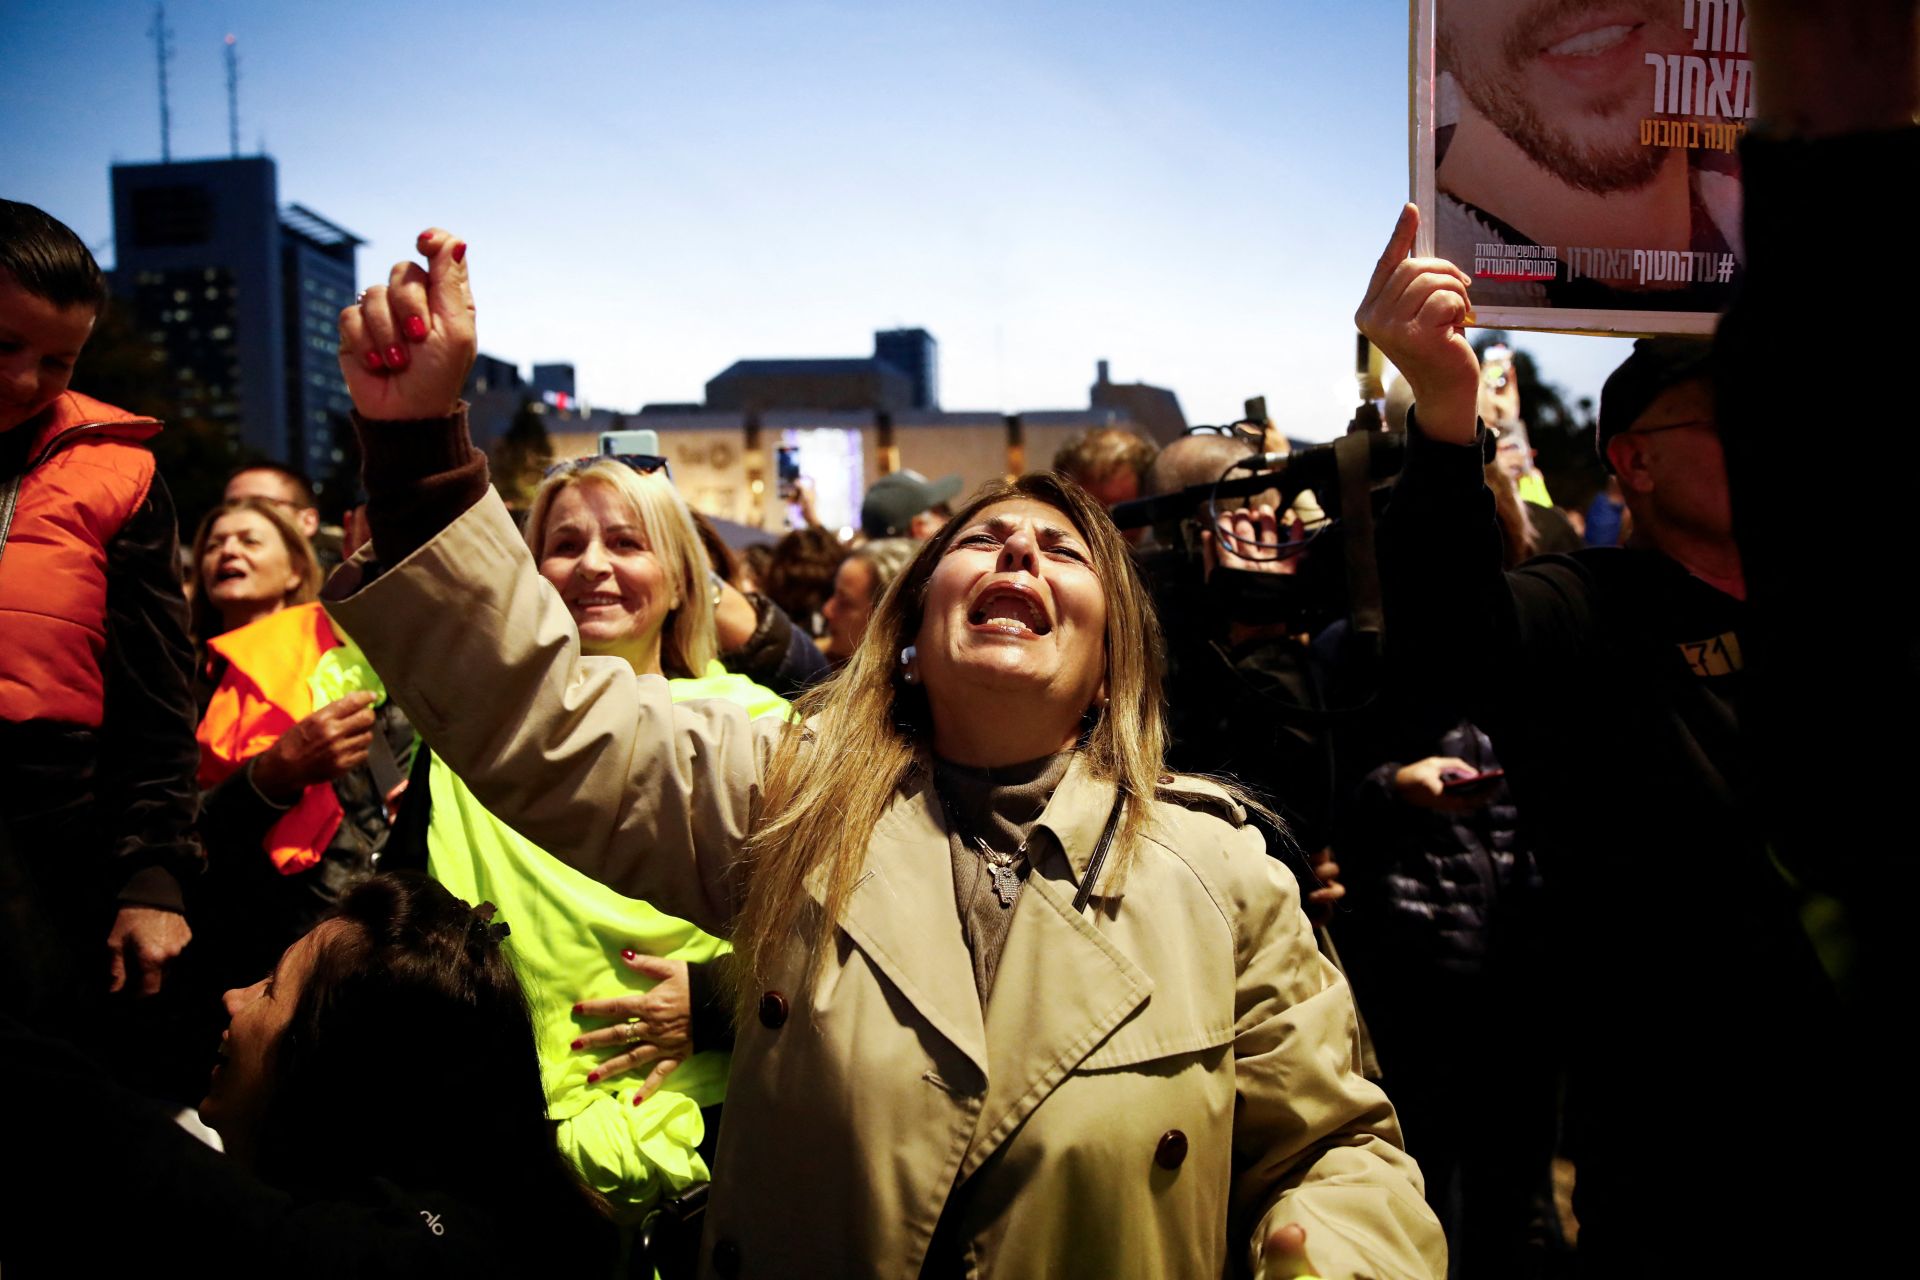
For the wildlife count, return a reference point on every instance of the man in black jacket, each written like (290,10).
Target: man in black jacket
(1611,681)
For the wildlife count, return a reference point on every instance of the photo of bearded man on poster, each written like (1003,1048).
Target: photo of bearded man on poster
(1547,120)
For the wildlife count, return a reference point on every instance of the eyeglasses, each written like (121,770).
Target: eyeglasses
(1245,429)
(645,463)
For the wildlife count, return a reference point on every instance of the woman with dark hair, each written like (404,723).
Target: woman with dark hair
(1017,1000)
(858,584)
(800,575)
(380,1104)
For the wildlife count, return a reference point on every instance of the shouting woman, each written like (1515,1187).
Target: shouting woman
(1013,999)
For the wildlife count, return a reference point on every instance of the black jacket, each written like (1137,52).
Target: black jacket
(778,655)
(1427,889)
(1612,681)
(105,817)
(249,910)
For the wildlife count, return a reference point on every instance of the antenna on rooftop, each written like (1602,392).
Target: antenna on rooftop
(163,54)
(233,96)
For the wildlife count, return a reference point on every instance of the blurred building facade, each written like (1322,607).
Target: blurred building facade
(841,423)
(725,461)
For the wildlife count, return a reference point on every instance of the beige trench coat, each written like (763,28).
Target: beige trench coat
(1157,1081)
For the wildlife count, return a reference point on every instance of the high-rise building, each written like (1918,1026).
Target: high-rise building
(242,298)
(317,265)
(916,354)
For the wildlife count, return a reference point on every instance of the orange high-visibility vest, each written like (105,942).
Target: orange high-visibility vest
(263,694)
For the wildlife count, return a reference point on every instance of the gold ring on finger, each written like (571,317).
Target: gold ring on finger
(636,1032)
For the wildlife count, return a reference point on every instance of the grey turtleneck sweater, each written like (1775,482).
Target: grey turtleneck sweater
(1000,807)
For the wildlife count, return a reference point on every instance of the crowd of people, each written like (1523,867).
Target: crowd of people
(1107,872)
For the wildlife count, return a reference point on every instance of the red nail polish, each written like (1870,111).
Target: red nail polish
(396,358)
(593,1077)
(629,955)
(575,1045)
(374,363)
(416,328)
(420,241)
(638,1099)
(576,1009)
(460,251)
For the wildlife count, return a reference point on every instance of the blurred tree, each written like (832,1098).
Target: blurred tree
(521,456)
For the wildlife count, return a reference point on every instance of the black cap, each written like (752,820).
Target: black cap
(1656,365)
(896,498)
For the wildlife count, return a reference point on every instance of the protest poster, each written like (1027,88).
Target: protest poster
(1579,157)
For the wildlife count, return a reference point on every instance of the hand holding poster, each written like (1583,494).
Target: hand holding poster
(1578,157)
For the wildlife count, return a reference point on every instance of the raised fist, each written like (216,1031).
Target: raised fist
(406,346)
(1416,311)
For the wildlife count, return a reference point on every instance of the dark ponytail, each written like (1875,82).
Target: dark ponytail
(410,1056)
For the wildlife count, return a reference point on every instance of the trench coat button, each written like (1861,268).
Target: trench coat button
(773,1010)
(726,1258)
(1172,1151)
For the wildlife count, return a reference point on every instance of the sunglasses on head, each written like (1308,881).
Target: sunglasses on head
(645,463)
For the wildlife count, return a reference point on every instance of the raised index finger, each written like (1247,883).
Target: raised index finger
(1399,245)
(449,295)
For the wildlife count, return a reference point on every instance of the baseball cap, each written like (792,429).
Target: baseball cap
(895,499)
(1656,365)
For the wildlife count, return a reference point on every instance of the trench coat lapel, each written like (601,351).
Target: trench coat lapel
(1062,987)
(901,914)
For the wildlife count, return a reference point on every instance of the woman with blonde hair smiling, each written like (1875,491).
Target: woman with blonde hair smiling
(1016,1000)
(627,1003)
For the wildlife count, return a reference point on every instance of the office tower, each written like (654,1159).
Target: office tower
(243,300)
(317,280)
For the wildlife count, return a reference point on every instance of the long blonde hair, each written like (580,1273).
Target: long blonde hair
(828,784)
(689,641)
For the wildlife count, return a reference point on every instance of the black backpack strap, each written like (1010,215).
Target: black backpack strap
(9,497)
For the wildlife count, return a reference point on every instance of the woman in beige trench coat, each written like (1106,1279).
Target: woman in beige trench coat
(1158,1077)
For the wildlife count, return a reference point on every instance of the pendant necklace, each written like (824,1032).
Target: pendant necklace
(1004,867)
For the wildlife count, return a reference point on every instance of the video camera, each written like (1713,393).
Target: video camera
(1333,574)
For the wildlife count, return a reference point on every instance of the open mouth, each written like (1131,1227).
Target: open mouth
(230,573)
(599,600)
(1012,610)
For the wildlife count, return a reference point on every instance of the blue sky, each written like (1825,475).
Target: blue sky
(654,188)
